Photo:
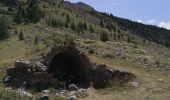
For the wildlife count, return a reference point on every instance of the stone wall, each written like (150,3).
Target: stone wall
(59,65)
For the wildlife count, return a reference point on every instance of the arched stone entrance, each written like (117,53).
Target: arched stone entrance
(68,65)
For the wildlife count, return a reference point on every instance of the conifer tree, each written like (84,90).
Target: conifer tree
(3,27)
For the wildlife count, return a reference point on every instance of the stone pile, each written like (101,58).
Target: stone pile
(44,72)
(29,75)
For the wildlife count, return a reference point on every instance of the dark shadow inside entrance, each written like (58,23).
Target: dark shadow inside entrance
(67,68)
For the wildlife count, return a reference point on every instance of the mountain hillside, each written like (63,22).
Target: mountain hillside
(29,28)
(21,12)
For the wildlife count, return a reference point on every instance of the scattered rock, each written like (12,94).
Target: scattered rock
(73,87)
(118,54)
(10,71)
(7,79)
(100,68)
(148,98)
(45,97)
(45,91)
(135,84)
(22,64)
(62,93)
(57,94)
(81,93)
(122,75)
(40,67)
(71,93)
(160,80)
(24,93)
(157,90)
(9,89)
(81,90)
(72,98)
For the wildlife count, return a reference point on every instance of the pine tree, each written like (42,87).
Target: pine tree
(80,27)
(114,36)
(36,40)
(118,36)
(21,36)
(85,26)
(73,26)
(68,18)
(101,23)
(34,12)
(3,28)
(66,24)
(19,17)
(129,39)
(91,29)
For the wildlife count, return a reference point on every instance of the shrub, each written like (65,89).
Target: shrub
(36,40)
(167,44)
(101,23)
(91,51)
(64,40)
(67,18)
(107,55)
(80,27)
(129,39)
(104,36)
(85,26)
(16,32)
(21,36)
(73,26)
(70,41)
(91,29)
(12,95)
(157,62)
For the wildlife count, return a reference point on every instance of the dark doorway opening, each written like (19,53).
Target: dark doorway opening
(67,68)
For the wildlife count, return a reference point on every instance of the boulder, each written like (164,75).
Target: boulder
(8,79)
(45,91)
(62,93)
(101,76)
(157,90)
(40,67)
(82,93)
(71,93)
(72,98)
(24,93)
(73,87)
(22,64)
(100,68)
(44,97)
(160,80)
(81,90)
(101,80)
(122,75)
(11,71)
(135,84)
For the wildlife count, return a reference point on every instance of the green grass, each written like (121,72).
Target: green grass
(13,49)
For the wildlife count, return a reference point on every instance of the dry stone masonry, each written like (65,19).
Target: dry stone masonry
(62,67)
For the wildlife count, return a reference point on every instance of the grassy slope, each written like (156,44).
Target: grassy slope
(148,78)
(13,49)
